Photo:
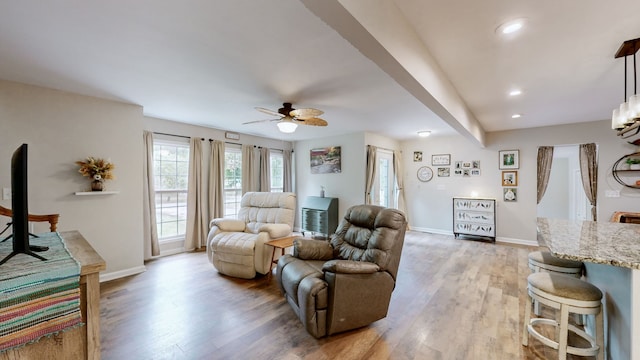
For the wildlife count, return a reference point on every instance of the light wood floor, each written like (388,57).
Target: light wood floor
(454,299)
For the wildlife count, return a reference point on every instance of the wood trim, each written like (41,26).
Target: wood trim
(52,219)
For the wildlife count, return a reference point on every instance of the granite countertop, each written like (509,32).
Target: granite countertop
(606,243)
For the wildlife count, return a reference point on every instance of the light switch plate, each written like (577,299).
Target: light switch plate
(6,193)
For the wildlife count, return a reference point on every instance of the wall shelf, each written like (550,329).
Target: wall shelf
(96,192)
(622,176)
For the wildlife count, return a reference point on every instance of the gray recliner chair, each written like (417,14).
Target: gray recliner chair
(345,283)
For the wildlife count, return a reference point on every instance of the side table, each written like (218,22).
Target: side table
(279,243)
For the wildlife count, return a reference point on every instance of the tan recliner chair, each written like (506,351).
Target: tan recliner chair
(236,247)
(345,283)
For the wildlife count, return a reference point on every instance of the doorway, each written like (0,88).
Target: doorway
(565,197)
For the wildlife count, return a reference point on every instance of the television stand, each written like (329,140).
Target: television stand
(28,252)
(20,250)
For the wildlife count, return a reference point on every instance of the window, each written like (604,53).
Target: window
(232,180)
(171,178)
(384,185)
(277,171)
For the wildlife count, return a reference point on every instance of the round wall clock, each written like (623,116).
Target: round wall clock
(425,173)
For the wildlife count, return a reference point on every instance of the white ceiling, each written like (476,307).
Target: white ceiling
(211,62)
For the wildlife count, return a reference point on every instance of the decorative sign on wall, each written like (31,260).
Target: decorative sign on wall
(326,160)
(441,159)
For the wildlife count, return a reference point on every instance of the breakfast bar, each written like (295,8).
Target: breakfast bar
(611,254)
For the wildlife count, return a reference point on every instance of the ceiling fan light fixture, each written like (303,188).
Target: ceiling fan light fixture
(287,127)
(424,133)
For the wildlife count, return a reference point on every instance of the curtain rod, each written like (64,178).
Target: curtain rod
(181,136)
(379,147)
(255,146)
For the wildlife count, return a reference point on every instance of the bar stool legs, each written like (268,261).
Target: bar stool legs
(567,295)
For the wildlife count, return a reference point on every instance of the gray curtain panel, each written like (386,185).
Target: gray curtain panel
(265,170)
(589,174)
(151,247)
(197,214)
(545,159)
(372,165)
(216,180)
(288,171)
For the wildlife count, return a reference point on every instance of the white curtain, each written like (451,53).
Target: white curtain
(151,245)
(250,165)
(372,164)
(216,180)
(265,169)
(399,173)
(197,217)
(287,169)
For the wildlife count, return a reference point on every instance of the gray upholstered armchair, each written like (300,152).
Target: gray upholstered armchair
(345,283)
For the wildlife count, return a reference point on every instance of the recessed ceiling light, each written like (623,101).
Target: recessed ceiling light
(510,27)
(424,133)
(515,116)
(515,92)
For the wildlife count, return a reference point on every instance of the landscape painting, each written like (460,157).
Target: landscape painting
(326,160)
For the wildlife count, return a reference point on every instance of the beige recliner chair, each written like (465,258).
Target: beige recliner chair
(236,247)
(345,283)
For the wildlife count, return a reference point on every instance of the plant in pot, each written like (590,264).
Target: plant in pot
(634,163)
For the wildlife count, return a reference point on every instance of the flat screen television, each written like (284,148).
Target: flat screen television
(20,208)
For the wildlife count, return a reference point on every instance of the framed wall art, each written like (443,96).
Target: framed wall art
(441,159)
(417,156)
(509,159)
(509,178)
(326,160)
(444,172)
(510,194)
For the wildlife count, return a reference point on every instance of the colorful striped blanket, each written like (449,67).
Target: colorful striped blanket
(38,298)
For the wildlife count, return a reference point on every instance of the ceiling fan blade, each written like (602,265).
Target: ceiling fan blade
(306,113)
(312,121)
(259,121)
(270,112)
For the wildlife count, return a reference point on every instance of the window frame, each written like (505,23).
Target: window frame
(180,193)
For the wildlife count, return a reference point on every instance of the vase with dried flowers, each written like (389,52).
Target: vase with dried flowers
(98,170)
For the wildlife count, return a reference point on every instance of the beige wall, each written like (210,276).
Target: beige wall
(61,128)
(430,203)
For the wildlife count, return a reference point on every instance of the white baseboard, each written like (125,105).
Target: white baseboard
(122,273)
(517,241)
(498,239)
(431,231)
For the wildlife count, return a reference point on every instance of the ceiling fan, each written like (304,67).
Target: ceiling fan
(289,118)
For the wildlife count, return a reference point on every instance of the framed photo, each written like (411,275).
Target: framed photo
(509,159)
(417,156)
(475,172)
(510,194)
(441,159)
(458,165)
(466,164)
(475,164)
(457,172)
(444,172)
(509,178)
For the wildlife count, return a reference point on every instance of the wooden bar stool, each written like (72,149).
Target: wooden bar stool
(545,261)
(569,295)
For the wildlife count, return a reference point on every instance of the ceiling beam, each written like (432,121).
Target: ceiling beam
(380,32)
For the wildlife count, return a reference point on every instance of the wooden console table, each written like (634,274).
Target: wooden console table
(81,342)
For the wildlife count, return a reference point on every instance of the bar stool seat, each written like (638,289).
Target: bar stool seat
(544,260)
(569,295)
